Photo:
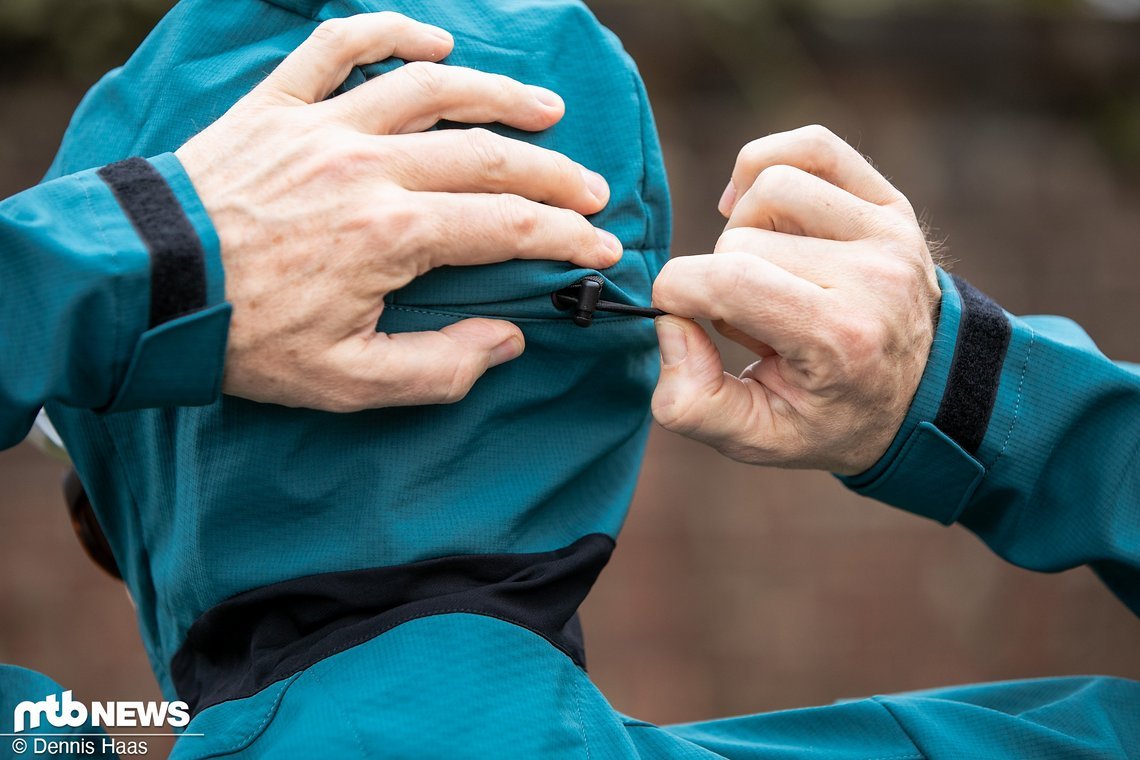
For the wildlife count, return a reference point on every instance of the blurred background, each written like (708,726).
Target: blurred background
(1014,125)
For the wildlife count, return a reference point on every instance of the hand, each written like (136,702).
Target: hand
(324,206)
(824,273)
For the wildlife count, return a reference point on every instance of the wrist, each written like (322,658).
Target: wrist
(932,372)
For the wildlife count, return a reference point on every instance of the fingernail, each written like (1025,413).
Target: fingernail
(546,97)
(508,350)
(674,347)
(596,184)
(727,200)
(609,240)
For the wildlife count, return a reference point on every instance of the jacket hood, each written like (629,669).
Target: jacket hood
(201,504)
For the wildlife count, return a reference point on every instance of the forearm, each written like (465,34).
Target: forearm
(111,294)
(1026,434)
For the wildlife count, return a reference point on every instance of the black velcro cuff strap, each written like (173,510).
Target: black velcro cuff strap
(177,260)
(972,388)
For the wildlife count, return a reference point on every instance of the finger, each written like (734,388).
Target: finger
(823,262)
(768,303)
(815,150)
(406,369)
(487,229)
(321,63)
(415,97)
(738,336)
(479,161)
(697,398)
(787,199)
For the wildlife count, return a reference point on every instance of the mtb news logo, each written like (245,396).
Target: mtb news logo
(64,712)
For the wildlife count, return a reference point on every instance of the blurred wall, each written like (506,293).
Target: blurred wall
(734,589)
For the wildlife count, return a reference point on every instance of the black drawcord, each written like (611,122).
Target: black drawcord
(585,298)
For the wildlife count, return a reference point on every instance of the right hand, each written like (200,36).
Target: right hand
(323,206)
(824,273)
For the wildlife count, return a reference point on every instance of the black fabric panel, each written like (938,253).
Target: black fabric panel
(971,391)
(177,261)
(258,638)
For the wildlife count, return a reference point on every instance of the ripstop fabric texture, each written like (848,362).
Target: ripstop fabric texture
(202,504)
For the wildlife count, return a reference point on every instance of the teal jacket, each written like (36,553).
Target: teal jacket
(403,582)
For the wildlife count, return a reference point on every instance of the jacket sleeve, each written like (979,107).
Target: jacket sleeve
(111,294)
(1022,431)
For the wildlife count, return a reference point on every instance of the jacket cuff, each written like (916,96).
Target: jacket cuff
(933,466)
(179,356)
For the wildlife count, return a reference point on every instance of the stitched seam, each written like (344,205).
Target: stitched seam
(264,721)
(345,647)
(245,743)
(581,721)
(347,719)
(1025,507)
(1017,403)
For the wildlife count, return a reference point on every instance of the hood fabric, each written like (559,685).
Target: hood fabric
(201,504)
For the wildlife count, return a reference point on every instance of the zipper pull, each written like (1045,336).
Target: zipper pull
(584,298)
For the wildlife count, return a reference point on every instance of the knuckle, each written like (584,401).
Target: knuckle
(775,180)
(332,166)
(460,381)
(427,77)
(342,165)
(895,275)
(508,89)
(392,18)
(904,242)
(737,239)
(750,154)
(395,24)
(564,171)
(333,32)
(859,340)
(675,411)
(489,153)
(518,217)
(397,226)
(820,137)
(735,281)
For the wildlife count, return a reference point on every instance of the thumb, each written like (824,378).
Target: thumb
(695,396)
(438,367)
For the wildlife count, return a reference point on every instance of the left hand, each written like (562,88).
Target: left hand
(325,205)
(824,273)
